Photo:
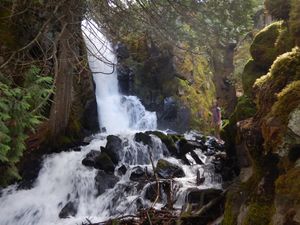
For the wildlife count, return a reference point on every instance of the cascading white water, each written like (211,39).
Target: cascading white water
(116,113)
(63,179)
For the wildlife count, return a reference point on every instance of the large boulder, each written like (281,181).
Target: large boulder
(167,170)
(113,148)
(168,140)
(263,49)
(143,138)
(104,181)
(91,158)
(139,174)
(104,162)
(99,160)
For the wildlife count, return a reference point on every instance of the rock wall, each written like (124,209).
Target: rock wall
(171,81)
(267,141)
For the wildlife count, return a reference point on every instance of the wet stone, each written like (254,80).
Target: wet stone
(90,158)
(104,181)
(113,148)
(167,170)
(70,209)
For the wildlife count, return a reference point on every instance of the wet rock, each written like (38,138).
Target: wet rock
(151,191)
(122,170)
(70,209)
(90,116)
(143,138)
(113,148)
(212,143)
(104,181)
(168,170)
(125,78)
(121,51)
(202,197)
(167,140)
(186,146)
(170,107)
(91,158)
(139,203)
(197,159)
(139,174)
(104,162)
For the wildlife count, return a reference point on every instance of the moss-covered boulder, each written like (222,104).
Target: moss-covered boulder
(287,200)
(169,140)
(250,74)
(279,9)
(279,126)
(269,43)
(167,170)
(244,109)
(284,70)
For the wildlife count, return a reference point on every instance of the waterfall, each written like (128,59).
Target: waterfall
(116,113)
(65,184)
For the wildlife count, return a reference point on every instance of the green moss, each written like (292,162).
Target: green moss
(230,217)
(258,214)
(241,58)
(162,164)
(279,9)
(294,21)
(168,140)
(198,94)
(288,184)
(245,108)
(284,70)
(269,43)
(288,101)
(250,74)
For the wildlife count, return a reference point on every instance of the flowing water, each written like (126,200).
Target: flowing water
(63,178)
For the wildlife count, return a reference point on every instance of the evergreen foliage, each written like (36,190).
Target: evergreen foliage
(21,112)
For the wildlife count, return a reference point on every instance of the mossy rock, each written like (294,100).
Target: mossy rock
(279,9)
(244,109)
(258,214)
(104,162)
(269,43)
(284,70)
(294,21)
(167,170)
(250,74)
(288,185)
(288,100)
(167,140)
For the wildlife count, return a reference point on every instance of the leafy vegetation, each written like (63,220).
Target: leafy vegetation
(21,112)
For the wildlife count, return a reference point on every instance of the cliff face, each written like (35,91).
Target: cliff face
(267,144)
(43,40)
(171,81)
